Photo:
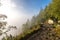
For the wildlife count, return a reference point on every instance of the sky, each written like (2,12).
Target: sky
(18,11)
(31,6)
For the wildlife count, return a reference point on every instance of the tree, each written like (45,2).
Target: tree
(3,26)
(26,26)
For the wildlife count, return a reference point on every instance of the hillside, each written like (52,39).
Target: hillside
(45,32)
(50,18)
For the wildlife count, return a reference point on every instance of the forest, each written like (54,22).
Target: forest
(44,26)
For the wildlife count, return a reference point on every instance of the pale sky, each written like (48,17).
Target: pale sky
(15,17)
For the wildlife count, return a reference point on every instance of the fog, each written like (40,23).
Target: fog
(15,17)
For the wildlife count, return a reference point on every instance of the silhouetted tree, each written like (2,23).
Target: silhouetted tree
(4,26)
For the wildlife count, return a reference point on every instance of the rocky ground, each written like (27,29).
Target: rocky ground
(46,32)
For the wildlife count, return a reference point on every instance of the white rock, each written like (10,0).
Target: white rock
(50,21)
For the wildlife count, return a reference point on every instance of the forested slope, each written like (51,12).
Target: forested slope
(50,18)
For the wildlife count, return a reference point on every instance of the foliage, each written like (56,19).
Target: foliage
(3,26)
(9,38)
